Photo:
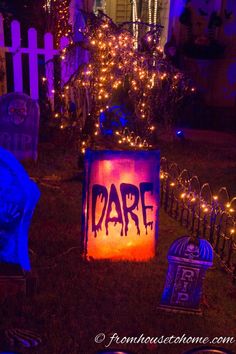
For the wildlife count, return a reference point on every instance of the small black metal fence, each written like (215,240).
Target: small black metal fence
(204,214)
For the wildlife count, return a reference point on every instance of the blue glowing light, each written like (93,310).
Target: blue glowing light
(180,134)
(18,198)
(112,119)
(188,259)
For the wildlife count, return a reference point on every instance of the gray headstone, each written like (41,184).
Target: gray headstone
(19,123)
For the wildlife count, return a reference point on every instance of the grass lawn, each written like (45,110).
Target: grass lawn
(77,300)
(209,155)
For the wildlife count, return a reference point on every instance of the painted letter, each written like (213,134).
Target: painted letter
(146,187)
(98,191)
(114,207)
(130,191)
(26,141)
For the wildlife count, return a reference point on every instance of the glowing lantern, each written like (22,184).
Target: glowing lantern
(121,204)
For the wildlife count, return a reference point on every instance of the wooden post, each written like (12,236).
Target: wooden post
(17,57)
(33,51)
(33,64)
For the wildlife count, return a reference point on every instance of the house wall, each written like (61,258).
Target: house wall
(215,78)
(119,10)
(164,20)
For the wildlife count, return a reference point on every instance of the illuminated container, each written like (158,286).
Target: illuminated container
(121,199)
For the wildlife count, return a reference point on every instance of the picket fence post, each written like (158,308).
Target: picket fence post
(17,57)
(33,64)
(32,51)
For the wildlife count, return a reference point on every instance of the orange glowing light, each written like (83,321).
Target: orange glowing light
(121,204)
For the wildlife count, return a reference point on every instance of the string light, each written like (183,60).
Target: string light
(150,11)
(135,25)
(60,9)
(114,56)
(47,6)
(155,11)
(204,211)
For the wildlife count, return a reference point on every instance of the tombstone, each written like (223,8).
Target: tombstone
(18,197)
(188,259)
(121,200)
(19,124)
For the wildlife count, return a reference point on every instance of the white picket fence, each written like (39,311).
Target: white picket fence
(33,51)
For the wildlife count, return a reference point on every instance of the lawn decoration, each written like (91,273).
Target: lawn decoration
(188,258)
(19,123)
(121,204)
(18,197)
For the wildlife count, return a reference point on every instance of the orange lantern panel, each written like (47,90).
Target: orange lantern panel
(121,198)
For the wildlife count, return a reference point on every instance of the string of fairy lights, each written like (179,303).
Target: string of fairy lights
(135,24)
(61,13)
(155,12)
(152,12)
(115,62)
(47,6)
(119,62)
(217,209)
(143,74)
